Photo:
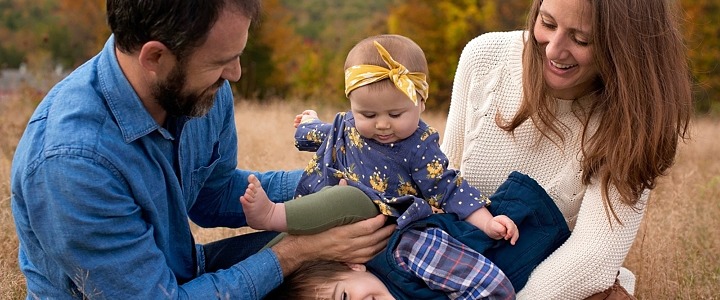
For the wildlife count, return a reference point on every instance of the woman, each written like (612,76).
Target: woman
(590,101)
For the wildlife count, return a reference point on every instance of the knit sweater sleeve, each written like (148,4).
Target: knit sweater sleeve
(477,59)
(452,143)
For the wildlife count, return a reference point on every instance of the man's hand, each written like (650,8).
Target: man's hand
(354,243)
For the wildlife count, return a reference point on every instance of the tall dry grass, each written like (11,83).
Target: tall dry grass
(677,252)
(676,255)
(14,112)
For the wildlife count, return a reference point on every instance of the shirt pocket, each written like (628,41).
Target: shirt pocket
(200,175)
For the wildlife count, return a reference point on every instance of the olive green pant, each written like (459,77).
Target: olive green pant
(330,207)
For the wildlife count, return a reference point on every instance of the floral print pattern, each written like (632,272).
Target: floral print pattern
(405,180)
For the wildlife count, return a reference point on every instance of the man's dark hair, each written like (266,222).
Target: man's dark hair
(181,25)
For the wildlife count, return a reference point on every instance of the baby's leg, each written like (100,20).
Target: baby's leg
(260,212)
(330,207)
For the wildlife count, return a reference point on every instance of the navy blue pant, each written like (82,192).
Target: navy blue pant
(541,225)
(222,254)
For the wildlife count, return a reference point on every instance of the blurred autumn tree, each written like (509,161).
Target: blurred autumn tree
(702,32)
(298,51)
(45,33)
(299,48)
(82,26)
(442,28)
(311,67)
(24,27)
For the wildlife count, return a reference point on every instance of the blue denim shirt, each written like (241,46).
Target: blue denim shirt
(102,211)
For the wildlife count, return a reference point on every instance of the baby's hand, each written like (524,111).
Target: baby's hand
(502,227)
(304,117)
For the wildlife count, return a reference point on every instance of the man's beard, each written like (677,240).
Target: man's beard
(168,93)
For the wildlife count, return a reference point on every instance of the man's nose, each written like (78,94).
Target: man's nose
(233,72)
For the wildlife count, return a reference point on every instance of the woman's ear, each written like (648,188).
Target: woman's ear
(357,267)
(154,57)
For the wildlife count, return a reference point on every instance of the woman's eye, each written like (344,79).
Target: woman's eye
(581,42)
(547,25)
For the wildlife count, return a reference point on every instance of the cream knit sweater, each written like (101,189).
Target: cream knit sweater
(488,81)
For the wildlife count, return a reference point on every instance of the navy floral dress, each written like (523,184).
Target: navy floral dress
(404,178)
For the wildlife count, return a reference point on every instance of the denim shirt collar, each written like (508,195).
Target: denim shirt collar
(125,105)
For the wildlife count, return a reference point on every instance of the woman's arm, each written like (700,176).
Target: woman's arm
(475,78)
(454,138)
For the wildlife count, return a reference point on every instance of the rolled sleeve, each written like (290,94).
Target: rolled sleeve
(252,278)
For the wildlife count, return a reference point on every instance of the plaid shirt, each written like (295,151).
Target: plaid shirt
(448,265)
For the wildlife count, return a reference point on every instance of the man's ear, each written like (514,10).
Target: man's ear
(154,57)
(357,267)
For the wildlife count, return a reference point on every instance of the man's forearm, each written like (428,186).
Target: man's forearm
(291,252)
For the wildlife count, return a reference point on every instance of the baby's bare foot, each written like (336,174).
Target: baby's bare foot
(260,212)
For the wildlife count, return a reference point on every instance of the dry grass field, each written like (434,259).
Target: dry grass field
(676,255)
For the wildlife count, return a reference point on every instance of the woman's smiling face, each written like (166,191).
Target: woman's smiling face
(563,30)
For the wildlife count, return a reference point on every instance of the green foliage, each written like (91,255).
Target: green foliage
(256,69)
(24,27)
(11,57)
(70,30)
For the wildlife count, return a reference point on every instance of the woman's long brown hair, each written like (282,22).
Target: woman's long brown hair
(643,102)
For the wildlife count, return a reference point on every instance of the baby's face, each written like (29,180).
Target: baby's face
(357,285)
(385,115)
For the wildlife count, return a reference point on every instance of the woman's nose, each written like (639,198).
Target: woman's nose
(556,47)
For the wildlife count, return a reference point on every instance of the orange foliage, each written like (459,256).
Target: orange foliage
(86,20)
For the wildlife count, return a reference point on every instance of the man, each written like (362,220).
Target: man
(137,140)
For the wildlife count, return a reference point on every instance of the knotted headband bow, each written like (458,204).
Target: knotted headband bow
(408,82)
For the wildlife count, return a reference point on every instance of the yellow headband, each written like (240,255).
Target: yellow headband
(408,82)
